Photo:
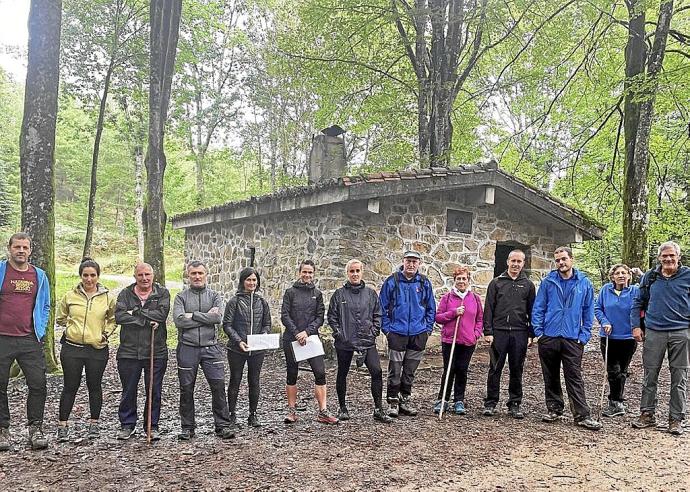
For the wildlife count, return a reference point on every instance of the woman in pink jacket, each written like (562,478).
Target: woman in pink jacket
(464,304)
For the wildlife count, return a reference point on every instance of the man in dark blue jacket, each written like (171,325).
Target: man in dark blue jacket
(408,307)
(665,298)
(562,319)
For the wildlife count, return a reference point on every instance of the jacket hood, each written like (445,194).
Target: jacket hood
(100,289)
(354,288)
(300,285)
(244,293)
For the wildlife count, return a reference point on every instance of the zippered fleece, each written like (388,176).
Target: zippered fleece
(200,329)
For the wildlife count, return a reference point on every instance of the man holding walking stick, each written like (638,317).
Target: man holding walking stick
(142,309)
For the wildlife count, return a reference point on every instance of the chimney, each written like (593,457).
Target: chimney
(327,156)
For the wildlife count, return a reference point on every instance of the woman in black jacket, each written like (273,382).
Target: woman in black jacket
(247,313)
(354,315)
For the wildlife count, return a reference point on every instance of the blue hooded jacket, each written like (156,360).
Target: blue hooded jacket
(614,309)
(554,315)
(42,305)
(414,306)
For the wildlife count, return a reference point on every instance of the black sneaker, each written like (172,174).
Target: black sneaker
(125,433)
(63,433)
(36,437)
(614,409)
(489,411)
(253,420)
(185,434)
(406,408)
(155,435)
(551,416)
(343,414)
(380,416)
(4,439)
(226,432)
(589,423)
(94,431)
(393,410)
(515,412)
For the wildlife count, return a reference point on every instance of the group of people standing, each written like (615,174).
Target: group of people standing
(514,315)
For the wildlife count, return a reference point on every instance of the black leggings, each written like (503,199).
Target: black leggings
(317,364)
(373,363)
(236,362)
(619,356)
(74,361)
(458,371)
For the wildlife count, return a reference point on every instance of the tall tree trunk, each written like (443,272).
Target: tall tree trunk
(94,160)
(139,196)
(165,26)
(636,209)
(37,145)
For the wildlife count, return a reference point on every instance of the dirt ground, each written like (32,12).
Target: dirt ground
(459,453)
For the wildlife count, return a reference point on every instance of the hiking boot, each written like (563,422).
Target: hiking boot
(155,435)
(226,432)
(36,437)
(326,418)
(675,427)
(614,409)
(253,420)
(291,416)
(393,410)
(589,423)
(551,416)
(94,431)
(406,408)
(343,414)
(185,434)
(63,433)
(646,419)
(459,408)
(380,416)
(4,439)
(515,412)
(125,433)
(437,407)
(489,411)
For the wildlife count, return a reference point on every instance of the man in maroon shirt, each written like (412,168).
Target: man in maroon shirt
(24,312)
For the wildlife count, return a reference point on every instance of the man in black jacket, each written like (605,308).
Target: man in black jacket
(141,307)
(509,300)
(196,312)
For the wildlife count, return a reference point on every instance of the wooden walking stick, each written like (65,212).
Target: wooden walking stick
(603,386)
(149,397)
(450,364)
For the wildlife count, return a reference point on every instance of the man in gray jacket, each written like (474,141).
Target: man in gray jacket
(197,311)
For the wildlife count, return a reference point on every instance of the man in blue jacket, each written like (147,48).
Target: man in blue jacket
(562,318)
(665,298)
(408,307)
(24,312)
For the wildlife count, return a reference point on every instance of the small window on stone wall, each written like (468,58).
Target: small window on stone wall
(459,222)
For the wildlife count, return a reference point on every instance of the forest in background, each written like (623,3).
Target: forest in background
(538,85)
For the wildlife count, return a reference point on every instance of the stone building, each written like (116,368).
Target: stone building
(470,215)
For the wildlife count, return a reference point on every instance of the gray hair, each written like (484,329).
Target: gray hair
(353,261)
(667,245)
(197,264)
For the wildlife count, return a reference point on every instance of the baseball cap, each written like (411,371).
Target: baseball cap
(412,254)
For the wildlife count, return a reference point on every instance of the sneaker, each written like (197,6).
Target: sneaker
(614,409)
(291,416)
(589,423)
(155,435)
(489,411)
(4,439)
(226,432)
(675,427)
(406,408)
(459,408)
(253,420)
(94,431)
(393,410)
(36,437)
(125,433)
(326,418)
(185,434)
(380,416)
(646,419)
(437,407)
(63,433)
(551,416)
(515,411)
(343,414)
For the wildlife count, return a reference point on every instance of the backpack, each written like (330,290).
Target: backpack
(423,280)
(644,296)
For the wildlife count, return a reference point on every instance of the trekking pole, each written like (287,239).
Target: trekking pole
(448,367)
(603,386)
(149,397)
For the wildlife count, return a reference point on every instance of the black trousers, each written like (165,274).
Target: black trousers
(130,373)
(28,352)
(554,352)
(619,356)
(212,363)
(237,362)
(457,380)
(76,360)
(511,345)
(373,363)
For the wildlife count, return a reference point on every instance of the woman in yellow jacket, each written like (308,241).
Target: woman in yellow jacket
(88,314)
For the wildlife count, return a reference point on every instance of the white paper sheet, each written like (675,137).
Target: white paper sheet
(312,348)
(265,341)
